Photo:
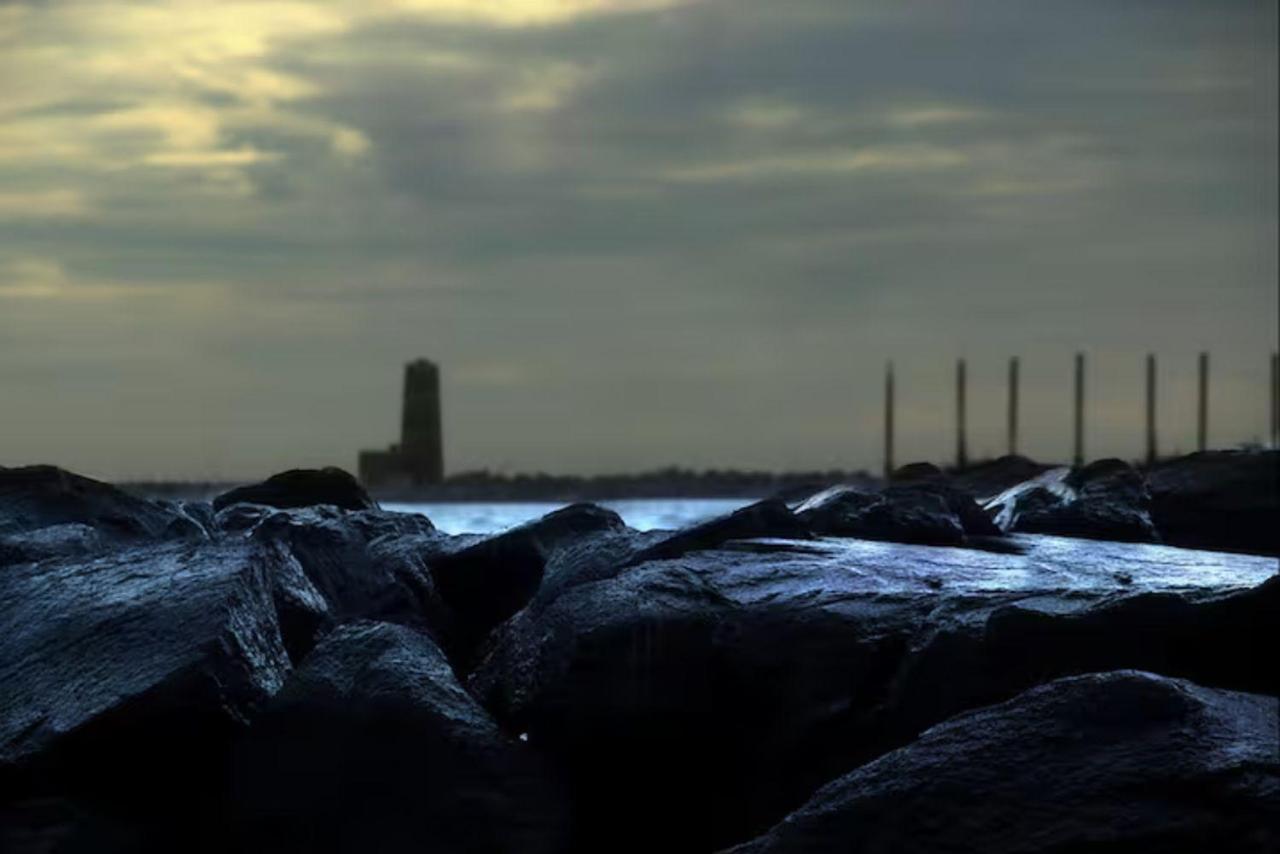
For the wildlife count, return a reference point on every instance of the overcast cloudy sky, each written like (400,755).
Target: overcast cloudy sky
(633,232)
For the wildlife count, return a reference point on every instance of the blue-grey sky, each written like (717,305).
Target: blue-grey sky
(632,232)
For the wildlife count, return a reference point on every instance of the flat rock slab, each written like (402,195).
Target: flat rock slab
(719,688)
(1122,761)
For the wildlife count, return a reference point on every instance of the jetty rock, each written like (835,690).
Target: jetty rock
(373,745)
(48,512)
(1117,761)
(302,488)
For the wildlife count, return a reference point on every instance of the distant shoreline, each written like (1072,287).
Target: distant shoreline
(486,487)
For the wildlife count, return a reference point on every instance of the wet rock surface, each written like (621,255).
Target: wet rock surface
(762,671)
(302,488)
(487,581)
(1120,761)
(364,563)
(149,659)
(986,479)
(330,676)
(1226,500)
(372,745)
(1105,500)
(924,510)
(48,512)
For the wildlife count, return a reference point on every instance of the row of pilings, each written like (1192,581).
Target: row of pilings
(1078,410)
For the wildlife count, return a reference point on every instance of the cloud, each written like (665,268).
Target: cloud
(43,204)
(708,222)
(871,160)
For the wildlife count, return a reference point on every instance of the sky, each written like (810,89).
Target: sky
(633,233)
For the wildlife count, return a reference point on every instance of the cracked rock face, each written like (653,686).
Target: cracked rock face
(1118,761)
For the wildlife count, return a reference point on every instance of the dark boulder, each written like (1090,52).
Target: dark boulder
(915,516)
(302,488)
(770,518)
(48,512)
(986,479)
(899,514)
(488,580)
(925,510)
(67,540)
(374,746)
(303,612)
(833,510)
(367,564)
(762,673)
(609,552)
(1105,500)
(127,677)
(1214,641)
(913,472)
(973,519)
(1121,761)
(1228,500)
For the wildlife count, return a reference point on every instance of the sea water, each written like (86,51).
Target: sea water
(643,514)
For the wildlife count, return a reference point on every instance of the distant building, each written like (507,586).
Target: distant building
(419,457)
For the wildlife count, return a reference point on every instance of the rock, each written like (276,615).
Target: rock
(49,512)
(1226,500)
(835,509)
(918,517)
(973,519)
(366,564)
(896,515)
(609,552)
(374,746)
(1121,761)
(759,675)
(192,519)
(987,479)
(67,540)
(303,613)
(149,659)
(302,488)
(1105,500)
(764,519)
(487,581)
(916,472)
(1213,641)
(923,510)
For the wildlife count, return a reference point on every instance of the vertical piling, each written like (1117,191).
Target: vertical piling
(1202,410)
(1077,457)
(1152,452)
(1275,400)
(962,455)
(1013,406)
(888,420)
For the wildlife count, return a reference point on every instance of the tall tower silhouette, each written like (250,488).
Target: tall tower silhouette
(419,457)
(421,439)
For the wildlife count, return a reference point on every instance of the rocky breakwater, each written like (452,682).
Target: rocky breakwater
(292,668)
